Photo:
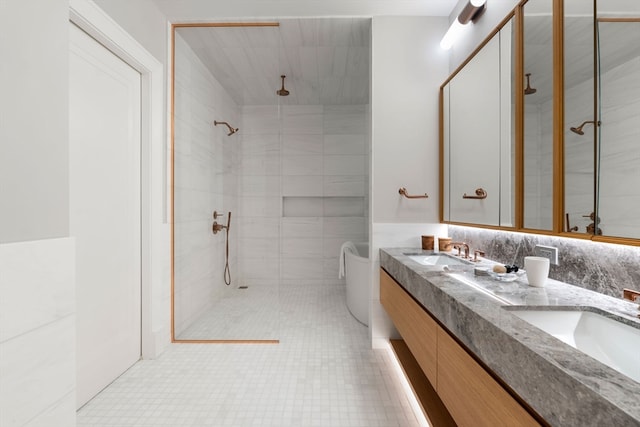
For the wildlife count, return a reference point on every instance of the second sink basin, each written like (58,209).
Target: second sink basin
(438,259)
(609,341)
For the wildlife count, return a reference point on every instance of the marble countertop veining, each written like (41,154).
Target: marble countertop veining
(562,384)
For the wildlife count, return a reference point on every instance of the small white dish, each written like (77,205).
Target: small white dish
(506,277)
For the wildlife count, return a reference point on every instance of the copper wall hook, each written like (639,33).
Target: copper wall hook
(480,194)
(403,191)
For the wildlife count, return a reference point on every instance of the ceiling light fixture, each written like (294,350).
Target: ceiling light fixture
(471,11)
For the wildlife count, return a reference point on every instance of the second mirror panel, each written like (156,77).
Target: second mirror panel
(538,115)
(618,78)
(580,132)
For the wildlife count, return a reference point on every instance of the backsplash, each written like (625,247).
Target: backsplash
(600,267)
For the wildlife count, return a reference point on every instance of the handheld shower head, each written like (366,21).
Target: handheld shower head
(282,91)
(578,130)
(231,129)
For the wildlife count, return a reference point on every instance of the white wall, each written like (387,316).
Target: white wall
(143,21)
(34,194)
(37,288)
(408,69)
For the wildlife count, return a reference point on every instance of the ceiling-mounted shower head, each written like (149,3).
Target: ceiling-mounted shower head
(231,129)
(529,90)
(282,91)
(578,130)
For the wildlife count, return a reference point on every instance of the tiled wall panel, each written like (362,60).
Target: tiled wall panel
(319,159)
(37,333)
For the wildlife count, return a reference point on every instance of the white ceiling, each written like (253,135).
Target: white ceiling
(211,10)
(325,60)
(322,46)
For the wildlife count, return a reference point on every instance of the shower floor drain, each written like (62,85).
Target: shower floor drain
(243,287)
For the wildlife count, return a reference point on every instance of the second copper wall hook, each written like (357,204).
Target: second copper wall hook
(480,194)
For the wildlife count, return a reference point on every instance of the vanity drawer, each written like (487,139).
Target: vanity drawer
(416,326)
(471,395)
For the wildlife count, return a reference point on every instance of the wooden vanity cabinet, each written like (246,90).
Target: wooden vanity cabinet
(470,394)
(417,328)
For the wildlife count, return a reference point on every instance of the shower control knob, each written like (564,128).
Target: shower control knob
(217,227)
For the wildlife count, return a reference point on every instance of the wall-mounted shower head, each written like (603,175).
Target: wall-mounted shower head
(282,91)
(579,130)
(231,129)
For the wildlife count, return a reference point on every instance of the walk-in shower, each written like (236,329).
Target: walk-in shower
(295,178)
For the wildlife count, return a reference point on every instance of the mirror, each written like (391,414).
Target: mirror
(269,173)
(478,141)
(580,114)
(602,109)
(599,142)
(538,115)
(618,110)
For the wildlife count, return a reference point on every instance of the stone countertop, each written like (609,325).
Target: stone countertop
(565,386)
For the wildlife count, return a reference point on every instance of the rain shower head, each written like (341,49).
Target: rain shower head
(529,90)
(578,130)
(282,91)
(231,129)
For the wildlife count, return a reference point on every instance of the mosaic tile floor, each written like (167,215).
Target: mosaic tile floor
(323,373)
(246,314)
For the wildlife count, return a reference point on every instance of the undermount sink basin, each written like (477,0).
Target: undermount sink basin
(438,259)
(609,341)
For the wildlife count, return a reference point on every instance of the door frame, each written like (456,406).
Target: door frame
(154,225)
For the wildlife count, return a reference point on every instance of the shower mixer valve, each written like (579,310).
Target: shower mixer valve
(219,227)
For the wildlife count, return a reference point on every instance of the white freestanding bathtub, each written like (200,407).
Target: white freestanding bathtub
(357,273)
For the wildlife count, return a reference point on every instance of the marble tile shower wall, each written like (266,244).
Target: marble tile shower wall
(204,180)
(538,170)
(599,267)
(303,191)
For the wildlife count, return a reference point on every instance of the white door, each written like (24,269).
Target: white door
(104,168)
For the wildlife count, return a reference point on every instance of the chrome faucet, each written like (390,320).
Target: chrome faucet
(459,246)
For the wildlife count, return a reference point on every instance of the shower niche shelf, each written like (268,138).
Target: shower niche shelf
(331,206)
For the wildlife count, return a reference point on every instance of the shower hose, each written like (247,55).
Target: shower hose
(227,272)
